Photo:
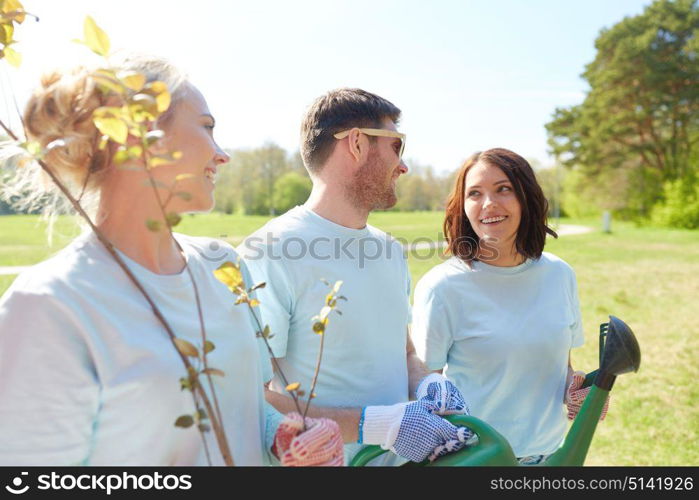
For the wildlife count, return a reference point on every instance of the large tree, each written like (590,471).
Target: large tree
(641,114)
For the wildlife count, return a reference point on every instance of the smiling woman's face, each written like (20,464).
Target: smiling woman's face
(190,131)
(491,205)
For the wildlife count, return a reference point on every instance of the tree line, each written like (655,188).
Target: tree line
(632,145)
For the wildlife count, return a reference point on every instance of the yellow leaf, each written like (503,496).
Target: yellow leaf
(13,57)
(96,39)
(163,101)
(213,371)
(293,386)
(229,274)
(115,128)
(209,346)
(6,32)
(186,348)
(254,303)
(182,177)
(14,6)
(132,79)
(324,312)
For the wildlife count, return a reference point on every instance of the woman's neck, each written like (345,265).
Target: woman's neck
(500,256)
(127,221)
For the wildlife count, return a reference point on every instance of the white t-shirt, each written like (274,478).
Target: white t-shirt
(504,334)
(364,356)
(89,376)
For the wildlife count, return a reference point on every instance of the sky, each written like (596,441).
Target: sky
(468,75)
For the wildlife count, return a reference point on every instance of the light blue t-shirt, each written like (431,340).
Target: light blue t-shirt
(88,376)
(364,356)
(504,334)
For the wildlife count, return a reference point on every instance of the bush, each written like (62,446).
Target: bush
(680,205)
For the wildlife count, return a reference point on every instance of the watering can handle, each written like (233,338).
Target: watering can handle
(492,448)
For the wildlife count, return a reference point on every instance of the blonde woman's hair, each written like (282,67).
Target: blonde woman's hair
(59,116)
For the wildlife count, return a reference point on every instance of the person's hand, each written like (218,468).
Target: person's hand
(412,430)
(575,396)
(321,444)
(441,392)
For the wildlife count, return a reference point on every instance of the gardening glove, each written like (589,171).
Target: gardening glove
(443,394)
(321,444)
(412,430)
(575,396)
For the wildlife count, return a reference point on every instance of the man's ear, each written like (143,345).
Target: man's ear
(358,144)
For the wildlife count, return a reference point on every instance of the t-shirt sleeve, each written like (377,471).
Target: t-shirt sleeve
(430,332)
(576,327)
(49,393)
(276,296)
(272,420)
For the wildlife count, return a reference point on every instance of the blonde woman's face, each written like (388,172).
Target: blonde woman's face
(190,131)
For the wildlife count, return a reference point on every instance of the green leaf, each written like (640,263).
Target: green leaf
(319,327)
(209,346)
(266,331)
(115,128)
(186,348)
(12,57)
(213,371)
(184,421)
(229,274)
(258,286)
(96,39)
(173,218)
(204,427)
(185,383)
(153,225)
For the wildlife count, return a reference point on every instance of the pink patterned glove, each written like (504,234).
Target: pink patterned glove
(575,396)
(320,445)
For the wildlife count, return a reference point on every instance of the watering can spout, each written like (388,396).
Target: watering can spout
(619,354)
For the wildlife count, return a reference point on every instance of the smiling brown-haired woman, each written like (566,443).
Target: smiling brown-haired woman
(501,314)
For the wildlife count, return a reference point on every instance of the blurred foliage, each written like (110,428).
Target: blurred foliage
(638,128)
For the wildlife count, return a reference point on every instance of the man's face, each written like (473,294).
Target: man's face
(373,185)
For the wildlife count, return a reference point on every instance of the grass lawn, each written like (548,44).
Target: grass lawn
(645,276)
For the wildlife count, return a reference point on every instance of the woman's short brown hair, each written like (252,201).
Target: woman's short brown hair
(531,235)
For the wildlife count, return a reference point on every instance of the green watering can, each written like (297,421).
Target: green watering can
(619,354)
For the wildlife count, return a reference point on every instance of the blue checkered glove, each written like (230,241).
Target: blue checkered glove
(442,393)
(412,430)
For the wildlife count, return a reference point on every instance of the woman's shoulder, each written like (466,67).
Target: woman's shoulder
(80,260)
(209,250)
(443,275)
(550,260)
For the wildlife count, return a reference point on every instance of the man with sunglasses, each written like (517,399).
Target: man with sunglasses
(353,153)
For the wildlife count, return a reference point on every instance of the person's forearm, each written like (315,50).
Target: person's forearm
(346,418)
(417,370)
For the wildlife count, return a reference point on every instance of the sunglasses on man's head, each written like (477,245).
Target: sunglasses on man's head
(376,132)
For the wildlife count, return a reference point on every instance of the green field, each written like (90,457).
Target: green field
(645,276)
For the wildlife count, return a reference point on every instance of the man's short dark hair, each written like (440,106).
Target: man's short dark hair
(339,110)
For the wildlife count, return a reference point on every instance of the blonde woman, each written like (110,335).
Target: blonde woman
(87,373)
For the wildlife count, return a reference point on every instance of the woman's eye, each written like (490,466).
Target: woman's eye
(473,193)
(505,188)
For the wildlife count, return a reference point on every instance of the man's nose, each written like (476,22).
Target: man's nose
(403,167)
